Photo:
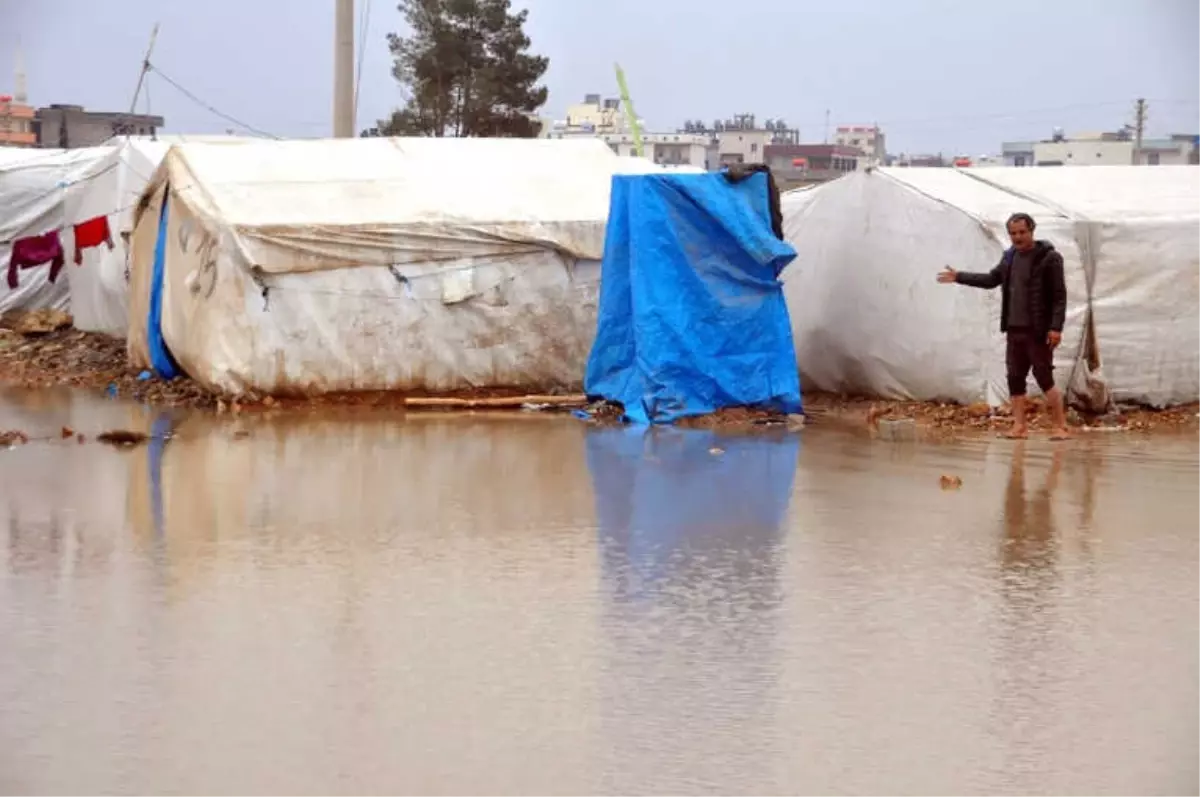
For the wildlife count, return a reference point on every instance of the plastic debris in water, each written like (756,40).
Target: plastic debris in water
(122,438)
(143,376)
(951,482)
(112,389)
(13,438)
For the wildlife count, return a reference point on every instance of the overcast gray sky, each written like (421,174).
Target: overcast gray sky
(956,76)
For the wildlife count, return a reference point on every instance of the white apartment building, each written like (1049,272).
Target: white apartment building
(593,116)
(1111,149)
(668,149)
(1083,152)
(868,139)
(1178,150)
(743,146)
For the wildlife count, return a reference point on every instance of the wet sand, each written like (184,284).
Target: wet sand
(361,602)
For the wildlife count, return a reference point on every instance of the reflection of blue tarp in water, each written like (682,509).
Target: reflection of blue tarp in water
(160,431)
(692,316)
(659,493)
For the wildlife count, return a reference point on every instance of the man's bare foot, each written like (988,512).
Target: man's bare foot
(1016,433)
(1060,434)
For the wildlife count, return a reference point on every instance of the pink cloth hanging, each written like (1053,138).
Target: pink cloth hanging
(35,251)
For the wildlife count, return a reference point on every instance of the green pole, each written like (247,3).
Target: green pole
(633,120)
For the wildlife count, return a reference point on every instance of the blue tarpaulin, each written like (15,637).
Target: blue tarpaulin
(692,317)
(160,356)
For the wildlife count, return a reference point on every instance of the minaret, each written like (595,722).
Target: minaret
(20,95)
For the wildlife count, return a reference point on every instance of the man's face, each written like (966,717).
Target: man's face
(1020,235)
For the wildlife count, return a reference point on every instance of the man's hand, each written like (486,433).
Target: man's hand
(1054,338)
(947,276)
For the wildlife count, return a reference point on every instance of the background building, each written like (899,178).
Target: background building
(17,123)
(1177,150)
(70,126)
(868,139)
(740,139)
(593,116)
(980,162)
(795,165)
(1017,153)
(669,149)
(1102,149)
(921,161)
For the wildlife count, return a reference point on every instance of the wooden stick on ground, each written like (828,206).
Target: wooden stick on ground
(495,401)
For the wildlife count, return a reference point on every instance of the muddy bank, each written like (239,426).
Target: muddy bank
(948,420)
(604,413)
(44,354)
(41,350)
(70,358)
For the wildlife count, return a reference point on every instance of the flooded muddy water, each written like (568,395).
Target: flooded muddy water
(525,604)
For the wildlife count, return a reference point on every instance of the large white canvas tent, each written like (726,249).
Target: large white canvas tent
(35,185)
(870,319)
(112,186)
(373,264)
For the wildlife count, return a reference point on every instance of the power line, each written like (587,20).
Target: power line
(209,107)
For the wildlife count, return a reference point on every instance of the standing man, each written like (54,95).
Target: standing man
(1032,312)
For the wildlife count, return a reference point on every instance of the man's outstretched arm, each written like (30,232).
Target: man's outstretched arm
(974,279)
(981,279)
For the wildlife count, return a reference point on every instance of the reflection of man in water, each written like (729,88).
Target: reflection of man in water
(1030,536)
(1030,641)
(1032,313)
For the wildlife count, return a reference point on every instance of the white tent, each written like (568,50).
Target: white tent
(375,264)
(35,185)
(869,317)
(112,187)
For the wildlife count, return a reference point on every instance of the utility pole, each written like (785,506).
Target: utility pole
(343,70)
(826,125)
(1139,128)
(20,93)
(145,68)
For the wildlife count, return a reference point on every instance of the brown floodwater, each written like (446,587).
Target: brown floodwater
(363,603)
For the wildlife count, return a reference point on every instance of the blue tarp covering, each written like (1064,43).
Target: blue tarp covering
(692,315)
(160,356)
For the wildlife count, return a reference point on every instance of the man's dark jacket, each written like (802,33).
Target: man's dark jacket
(1047,287)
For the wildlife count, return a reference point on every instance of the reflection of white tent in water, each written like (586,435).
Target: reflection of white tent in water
(372,264)
(869,317)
